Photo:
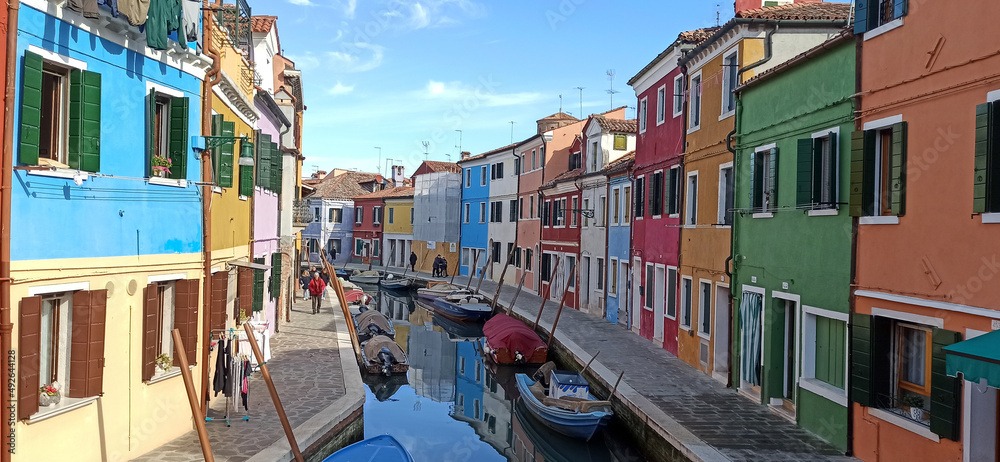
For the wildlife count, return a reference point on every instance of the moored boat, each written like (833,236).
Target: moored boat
(371,323)
(381,355)
(440,290)
(366,277)
(383,448)
(463,307)
(572,416)
(508,341)
(394,282)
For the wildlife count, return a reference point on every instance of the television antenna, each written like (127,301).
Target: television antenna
(611,86)
(581,100)
(426,145)
(459,142)
(511,131)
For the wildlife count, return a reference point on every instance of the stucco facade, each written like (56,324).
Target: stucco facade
(397,233)
(475,213)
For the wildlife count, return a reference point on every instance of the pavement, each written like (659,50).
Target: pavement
(318,381)
(699,416)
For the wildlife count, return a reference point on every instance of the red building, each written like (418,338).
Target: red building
(560,238)
(659,88)
(368,214)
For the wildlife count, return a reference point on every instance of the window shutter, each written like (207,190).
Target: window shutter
(86,362)
(264,161)
(31,112)
(151,129)
(858,143)
(900,8)
(84,120)
(861,355)
(275,282)
(150,319)
(979,182)
(946,392)
(177,146)
(220,293)
(756,179)
(898,170)
(861,15)
(244,291)
(276,168)
(833,166)
(226,158)
(258,287)
(217,152)
(186,316)
(246,180)
(804,174)
(29,356)
(772,175)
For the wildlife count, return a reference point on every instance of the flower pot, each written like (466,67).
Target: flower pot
(45,400)
(160,173)
(917,414)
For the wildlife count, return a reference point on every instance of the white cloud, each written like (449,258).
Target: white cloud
(349,8)
(305,62)
(302,2)
(419,16)
(350,58)
(481,94)
(340,89)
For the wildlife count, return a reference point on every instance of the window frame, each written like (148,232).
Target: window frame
(678,97)
(729,93)
(377,215)
(642,115)
(704,331)
(819,208)
(392,216)
(482,212)
(694,102)
(807,377)
(685,308)
(575,202)
(722,203)
(483,175)
(661,104)
(612,280)
(763,187)
(616,206)
(601,274)
(468,177)
(359,215)
(671,293)
(691,200)
(466,209)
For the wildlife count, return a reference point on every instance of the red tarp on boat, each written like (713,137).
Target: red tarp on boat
(503,331)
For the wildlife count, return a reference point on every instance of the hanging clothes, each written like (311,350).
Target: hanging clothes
(222,365)
(111,5)
(192,25)
(135,11)
(87,7)
(164,18)
(245,386)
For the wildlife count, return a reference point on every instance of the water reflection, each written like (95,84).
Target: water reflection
(451,406)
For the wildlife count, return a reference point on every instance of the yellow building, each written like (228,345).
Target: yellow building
(397,233)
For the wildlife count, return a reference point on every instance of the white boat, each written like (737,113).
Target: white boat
(441,290)
(366,277)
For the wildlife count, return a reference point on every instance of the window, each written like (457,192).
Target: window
(570,274)
(520,207)
(594,162)
(640,191)
(818,160)
(673,191)
(517,165)
(376,215)
(671,293)
(656,194)
(527,259)
(600,273)
(678,95)
(482,175)
(482,212)
(558,212)
(705,316)
(359,215)
(546,217)
(730,66)
(726,195)
(53,133)
(825,348)
(517,257)
(534,162)
(359,247)
(913,356)
(524,164)
(495,252)
(603,219)
(392,214)
(586,206)
(986,183)
(627,205)
(465,256)
(411,215)
(338,215)
(223,157)
(498,170)
(691,214)
(375,248)
(496,212)
(168,305)
(468,177)
(313,246)
(686,303)
(573,211)
(615,206)
(621,142)
(316,215)
(642,115)
(764,178)
(331,244)
(874,13)
(574,161)
(613,277)
(546,267)
(509,256)
(531,206)
(541,154)
(514,211)
(539,205)
(878,171)
(465,214)
(661,102)
(695,110)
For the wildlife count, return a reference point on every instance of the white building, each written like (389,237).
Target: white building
(502,230)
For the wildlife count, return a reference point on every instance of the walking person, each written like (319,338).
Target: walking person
(325,276)
(304,284)
(436,267)
(316,289)
(413,261)
(333,255)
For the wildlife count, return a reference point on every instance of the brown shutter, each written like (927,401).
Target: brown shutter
(150,319)
(186,316)
(244,291)
(86,362)
(29,351)
(220,292)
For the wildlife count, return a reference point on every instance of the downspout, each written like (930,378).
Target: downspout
(851,299)
(6,165)
(607,252)
(631,257)
(731,259)
(682,191)
(768,45)
(212,78)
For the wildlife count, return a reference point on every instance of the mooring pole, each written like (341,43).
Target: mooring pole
(274,392)
(475,260)
(503,274)
(489,261)
(552,333)
(510,309)
(548,291)
(199,421)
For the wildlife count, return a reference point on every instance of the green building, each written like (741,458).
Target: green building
(792,237)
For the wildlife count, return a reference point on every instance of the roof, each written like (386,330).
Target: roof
(559,116)
(438,166)
(262,24)
(345,186)
(620,165)
(800,11)
(843,36)
(564,176)
(617,125)
(401,191)
(691,37)
(487,153)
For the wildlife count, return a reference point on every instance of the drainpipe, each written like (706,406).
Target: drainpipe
(212,78)
(6,166)
(607,251)
(768,45)
(731,259)
(851,299)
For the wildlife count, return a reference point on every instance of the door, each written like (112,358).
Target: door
(649,323)
(660,297)
(982,410)
(636,309)
(720,361)
(585,282)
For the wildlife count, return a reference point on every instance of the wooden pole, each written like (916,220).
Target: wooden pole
(588,362)
(458,268)
(199,419)
(475,260)
(270,387)
(547,291)
(510,308)
(552,333)
(613,390)
(502,275)
(338,288)
(489,260)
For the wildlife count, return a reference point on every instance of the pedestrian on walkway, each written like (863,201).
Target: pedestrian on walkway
(304,284)
(413,261)
(333,254)
(316,289)
(444,267)
(325,276)
(436,267)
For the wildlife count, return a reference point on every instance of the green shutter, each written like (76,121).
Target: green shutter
(804,174)
(84,120)
(756,178)
(979,186)
(226,155)
(216,152)
(772,175)
(946,397)
(275,283)
(31,109)
(861,16)
(246,180)
(151,129)
(897,179)
(833,166)
(264,161)
(276,159)
(177,147)
(857,198)
(861,359)
(258,286)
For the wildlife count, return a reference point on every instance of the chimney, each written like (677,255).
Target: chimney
(744,5)
(465,155)
(319,174)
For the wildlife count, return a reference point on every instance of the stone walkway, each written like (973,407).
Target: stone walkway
(712,421)
(306,369)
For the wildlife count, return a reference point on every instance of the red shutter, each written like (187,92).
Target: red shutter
(244,292)
(186,316)
(220,293)
(86,364)
(29,351)
(150,321)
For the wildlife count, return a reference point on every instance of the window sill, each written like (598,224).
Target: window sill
(990,218)
(705,336)
(823,213)
(674,215)
(167,182)
(764,215)
(727,115)
(887,220)
(65,405)
(693,129)
(646,308)
(686,328)
(905,424)
(898,22)
(243,198)
(161,376)
(57,172)
(825,390)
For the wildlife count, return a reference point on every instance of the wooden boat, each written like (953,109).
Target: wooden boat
(371,323)
(381,355)
(394,282)
(464,307)
(509,341)
(440,290)
(383,448)
(366,277)
(555,447)
(574,417)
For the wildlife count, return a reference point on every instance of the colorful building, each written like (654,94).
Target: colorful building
(529,214)
(503,201)
(925,223)
(368,217)
(618,271)
(792,260)
(477,212)
(560,237)
(437,215)
(105,249)
(332,215)
(397,231)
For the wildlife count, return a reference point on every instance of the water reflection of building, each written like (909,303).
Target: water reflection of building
(432,362)
(495,427)
(469,372)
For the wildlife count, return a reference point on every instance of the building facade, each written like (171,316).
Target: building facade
(477,212)
(618,270)
(502,229)
(397,232)
(560,237)
(369,213)
(437,219)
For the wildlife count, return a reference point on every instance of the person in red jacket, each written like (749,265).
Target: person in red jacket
(316,288)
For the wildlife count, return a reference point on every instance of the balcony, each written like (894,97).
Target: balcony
(301,215)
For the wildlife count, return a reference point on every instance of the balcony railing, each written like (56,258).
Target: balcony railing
(236,21)
(900,407)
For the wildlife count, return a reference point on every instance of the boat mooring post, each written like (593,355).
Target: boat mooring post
(548,291)
(552,333)
(616,386)
(588,362)
(503,273)
(489,261)
(199,421)
(270,387)
(338,289)
(510,309)
(475,260)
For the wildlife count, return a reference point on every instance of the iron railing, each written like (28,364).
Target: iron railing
(898,406)
(236,20)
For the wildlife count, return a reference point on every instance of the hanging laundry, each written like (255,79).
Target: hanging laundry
(111,5)
(192,15)
(134,10)
(87,7)
(164,18)
(245,386)
(222,363)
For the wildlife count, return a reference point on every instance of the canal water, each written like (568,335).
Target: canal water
(453,406)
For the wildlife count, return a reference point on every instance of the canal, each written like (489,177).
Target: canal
(453,406)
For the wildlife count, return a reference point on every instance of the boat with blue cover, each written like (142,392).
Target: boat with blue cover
(382,448)
(569,414)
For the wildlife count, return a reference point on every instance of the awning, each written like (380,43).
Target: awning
(976,358)
(247,264)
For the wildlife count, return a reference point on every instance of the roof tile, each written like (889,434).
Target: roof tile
(800,11)
(262,24)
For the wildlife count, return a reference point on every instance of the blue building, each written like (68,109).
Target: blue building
(106,237)
(477,212)
(619,175)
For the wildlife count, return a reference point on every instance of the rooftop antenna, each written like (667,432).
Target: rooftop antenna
(459,142)
(560,103)
(581,100)
(717,15)
(426,145)
(379,164)
(611,87)
(633,112)
(511,131)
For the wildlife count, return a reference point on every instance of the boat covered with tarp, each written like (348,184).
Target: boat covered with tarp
(508,341)
(371,323)
(382,355)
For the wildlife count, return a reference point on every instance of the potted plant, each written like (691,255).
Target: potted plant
(915,404)
(161,166)
(164,362)
(48,395)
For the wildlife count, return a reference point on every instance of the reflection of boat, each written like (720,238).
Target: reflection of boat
(555,447)
(463,306)
(371,323)
(384,387)
(383,448)
(440,290)
(459,330)
(366,277)
(509,341)
(381,355)
(573,417)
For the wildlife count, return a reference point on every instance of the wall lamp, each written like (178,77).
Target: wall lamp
(204,143)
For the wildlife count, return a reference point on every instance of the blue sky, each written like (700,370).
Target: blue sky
(396,73)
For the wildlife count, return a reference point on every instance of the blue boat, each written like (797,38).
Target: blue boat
(463,307)
(573,417)
(382,448)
